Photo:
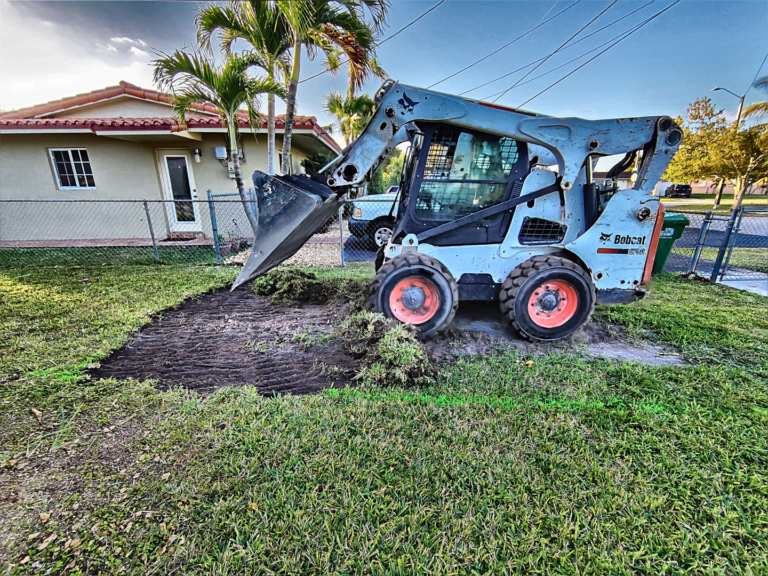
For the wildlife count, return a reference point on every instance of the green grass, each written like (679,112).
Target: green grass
(750,258)
(105,256)
(503,464)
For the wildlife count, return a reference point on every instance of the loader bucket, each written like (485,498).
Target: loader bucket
(290,210)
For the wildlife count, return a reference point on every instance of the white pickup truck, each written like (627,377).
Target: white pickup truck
(374,216)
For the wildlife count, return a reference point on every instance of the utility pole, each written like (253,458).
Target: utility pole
(719,195)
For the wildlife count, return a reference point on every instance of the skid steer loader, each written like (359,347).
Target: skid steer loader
(496,204)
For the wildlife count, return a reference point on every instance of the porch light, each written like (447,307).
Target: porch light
(197,153)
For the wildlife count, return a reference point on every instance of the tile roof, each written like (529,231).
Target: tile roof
(30,118)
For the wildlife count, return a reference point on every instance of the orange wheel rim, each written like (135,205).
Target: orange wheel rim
(553,303)
(414,300)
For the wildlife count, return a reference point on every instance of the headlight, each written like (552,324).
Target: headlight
(357,213)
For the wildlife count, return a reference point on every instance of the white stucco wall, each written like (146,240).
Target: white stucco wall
(122,170)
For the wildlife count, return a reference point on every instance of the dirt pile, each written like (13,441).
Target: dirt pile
(390,352)
(294,285)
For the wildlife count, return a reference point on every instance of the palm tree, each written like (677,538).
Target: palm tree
(758,108)
(352,113)
(192,78)
(264,28)
(333,27)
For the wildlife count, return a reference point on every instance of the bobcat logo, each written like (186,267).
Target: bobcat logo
(604,237)
(406,103)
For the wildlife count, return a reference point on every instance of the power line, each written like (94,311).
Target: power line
(558,49)
(601,53)
(566,48)
(411,23)
(507,44)
(756,75)
(548,72)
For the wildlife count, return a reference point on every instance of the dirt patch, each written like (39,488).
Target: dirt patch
(234,339)
(478,329)
(239,338)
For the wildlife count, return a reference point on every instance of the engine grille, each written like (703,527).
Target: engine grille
(535,231)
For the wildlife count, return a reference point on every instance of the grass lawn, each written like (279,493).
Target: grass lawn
(750,258)
(504,464)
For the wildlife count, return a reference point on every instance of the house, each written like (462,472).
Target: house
(121,143)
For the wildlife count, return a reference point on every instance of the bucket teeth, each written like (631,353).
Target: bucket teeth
(290,210)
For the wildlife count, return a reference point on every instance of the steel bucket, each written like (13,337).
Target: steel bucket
(290,210)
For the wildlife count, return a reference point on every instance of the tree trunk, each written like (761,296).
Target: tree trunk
(271,129)
(719,195)
(290,108)
(738,193)
(251,210)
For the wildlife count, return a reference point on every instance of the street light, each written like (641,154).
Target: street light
(741,101)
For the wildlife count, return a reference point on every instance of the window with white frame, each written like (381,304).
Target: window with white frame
(72,167)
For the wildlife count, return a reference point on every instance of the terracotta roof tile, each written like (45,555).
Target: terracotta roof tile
(29,118)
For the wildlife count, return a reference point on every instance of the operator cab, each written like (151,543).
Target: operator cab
(452,172)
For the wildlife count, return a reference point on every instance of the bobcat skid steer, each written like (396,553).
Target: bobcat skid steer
(496,204)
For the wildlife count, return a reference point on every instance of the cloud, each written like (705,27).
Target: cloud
(121,40)
(111,48)
(140,41)
(139,52)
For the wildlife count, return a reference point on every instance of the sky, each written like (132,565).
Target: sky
(51,50)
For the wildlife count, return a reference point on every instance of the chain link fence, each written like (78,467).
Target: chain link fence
(716,245)
(723,246)
(108,232)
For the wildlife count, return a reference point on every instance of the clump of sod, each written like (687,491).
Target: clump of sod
(391,353)
(296,285)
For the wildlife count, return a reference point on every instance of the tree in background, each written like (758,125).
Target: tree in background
(713,149)
(263,27)
(388,173)
(758,109)
(352,113)
(315,162)
(332,28)
(704,128)
(744,155)
(191,79)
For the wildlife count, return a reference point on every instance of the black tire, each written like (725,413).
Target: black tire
(413,264)
(379,259)
(521,284)
(378,225)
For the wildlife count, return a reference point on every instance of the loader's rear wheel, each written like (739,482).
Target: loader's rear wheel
(416,289)
(547,298)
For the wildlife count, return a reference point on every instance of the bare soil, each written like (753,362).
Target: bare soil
(237,338)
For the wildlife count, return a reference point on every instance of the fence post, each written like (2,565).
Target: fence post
(700,242)
(214,226)
(151,231)
(732,242)
(724,246)
(341,234)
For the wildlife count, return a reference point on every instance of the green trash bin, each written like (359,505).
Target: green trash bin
(673,228)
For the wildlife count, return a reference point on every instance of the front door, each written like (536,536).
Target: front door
(179,186)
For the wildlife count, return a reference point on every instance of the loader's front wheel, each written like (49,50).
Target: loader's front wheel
(416,289)
(547,298)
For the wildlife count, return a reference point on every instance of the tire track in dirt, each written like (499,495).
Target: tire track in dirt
(234,339)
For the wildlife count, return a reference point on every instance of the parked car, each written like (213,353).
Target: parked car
(678,191)
(374,216)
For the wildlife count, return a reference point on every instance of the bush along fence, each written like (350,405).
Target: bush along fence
(718,246)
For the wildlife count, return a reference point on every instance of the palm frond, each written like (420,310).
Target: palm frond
(756,110)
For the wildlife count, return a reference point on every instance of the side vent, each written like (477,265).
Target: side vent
(536,231)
